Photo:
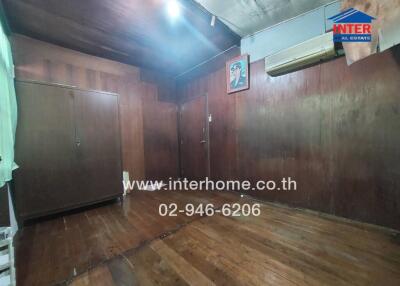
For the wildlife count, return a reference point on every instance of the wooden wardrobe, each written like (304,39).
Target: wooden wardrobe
(67,148)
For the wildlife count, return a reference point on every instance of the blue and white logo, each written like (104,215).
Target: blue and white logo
(352,26)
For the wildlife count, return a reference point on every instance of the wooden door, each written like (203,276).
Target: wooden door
(194,139)
(97,144)
(44,149)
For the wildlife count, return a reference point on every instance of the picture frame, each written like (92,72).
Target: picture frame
(237,74)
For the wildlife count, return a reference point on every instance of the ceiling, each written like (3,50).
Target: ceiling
(137,32)
(246,17)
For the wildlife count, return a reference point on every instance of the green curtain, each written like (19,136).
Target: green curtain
(8,110)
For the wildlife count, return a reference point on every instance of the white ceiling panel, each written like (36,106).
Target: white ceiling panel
(246,17)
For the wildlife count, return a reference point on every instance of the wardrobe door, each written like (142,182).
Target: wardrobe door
(97,145)
(44,149)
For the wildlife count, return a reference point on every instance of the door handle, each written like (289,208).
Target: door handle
(203,141)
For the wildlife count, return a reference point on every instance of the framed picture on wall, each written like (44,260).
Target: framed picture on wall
(237,74)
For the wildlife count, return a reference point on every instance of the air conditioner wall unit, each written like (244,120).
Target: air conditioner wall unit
(301,55)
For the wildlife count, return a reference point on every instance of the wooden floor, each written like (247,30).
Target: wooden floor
(131,244)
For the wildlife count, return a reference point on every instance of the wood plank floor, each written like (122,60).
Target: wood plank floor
(130,244)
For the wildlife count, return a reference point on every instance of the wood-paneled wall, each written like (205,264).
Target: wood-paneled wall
(36,60)
(160,129)
(335,129)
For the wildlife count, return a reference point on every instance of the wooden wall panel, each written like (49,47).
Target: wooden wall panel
(363,134)
(335,129)
(36,60)
(160,135)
